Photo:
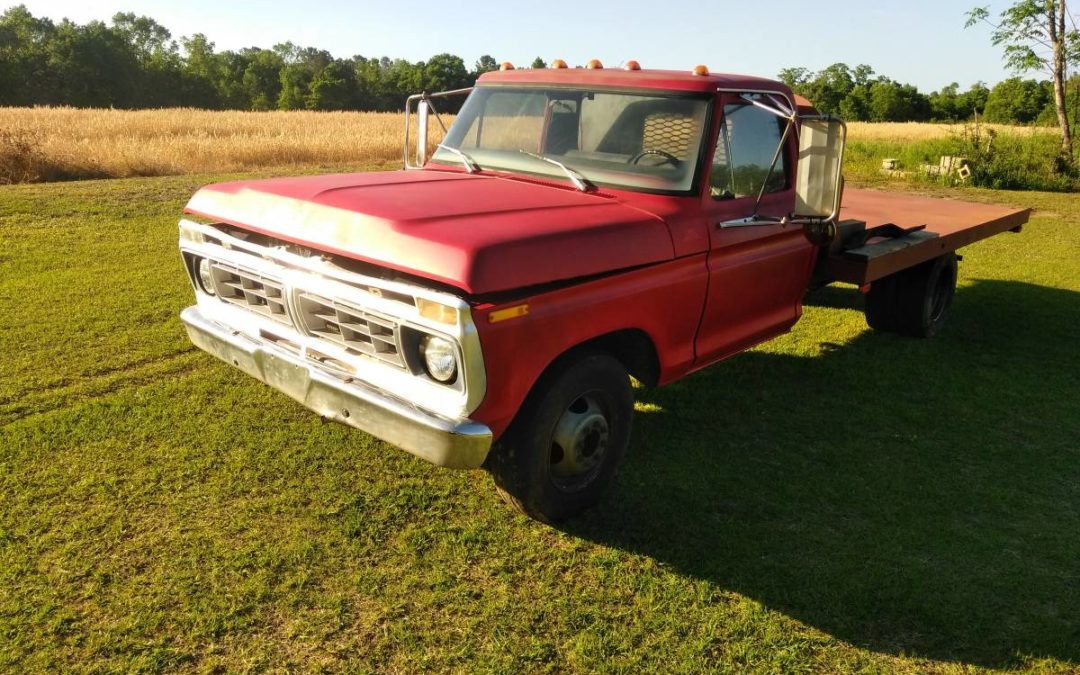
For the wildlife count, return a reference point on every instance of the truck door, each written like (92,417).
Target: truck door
(757,273)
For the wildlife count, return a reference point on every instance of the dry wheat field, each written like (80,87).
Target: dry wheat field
(45,144)
(41,144)
(921,131)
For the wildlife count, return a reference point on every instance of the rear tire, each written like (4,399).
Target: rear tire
(913,302)
(567,442)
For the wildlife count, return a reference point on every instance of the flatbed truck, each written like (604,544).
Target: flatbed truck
(488,304)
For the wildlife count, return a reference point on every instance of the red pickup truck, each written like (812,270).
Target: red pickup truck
(489,304)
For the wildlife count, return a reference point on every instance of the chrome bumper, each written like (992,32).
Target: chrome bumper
(459,444)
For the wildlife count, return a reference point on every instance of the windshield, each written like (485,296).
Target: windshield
(630,140)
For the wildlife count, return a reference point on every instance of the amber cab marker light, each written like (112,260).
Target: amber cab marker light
(506,65)
(595,64)
(700,70)
(632,65)
(558,63)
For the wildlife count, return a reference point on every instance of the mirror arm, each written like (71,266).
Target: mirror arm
(781,112)
(772,167)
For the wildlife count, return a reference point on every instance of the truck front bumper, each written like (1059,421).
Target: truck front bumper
(459,444)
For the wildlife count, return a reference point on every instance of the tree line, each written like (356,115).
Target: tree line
(857,95)
(134,62)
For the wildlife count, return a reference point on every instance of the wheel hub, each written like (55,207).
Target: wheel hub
(579,444)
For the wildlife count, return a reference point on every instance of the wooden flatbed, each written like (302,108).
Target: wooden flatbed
(949,225)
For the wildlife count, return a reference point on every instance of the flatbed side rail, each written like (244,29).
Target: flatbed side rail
(947,225)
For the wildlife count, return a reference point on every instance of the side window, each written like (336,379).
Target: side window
(745,149)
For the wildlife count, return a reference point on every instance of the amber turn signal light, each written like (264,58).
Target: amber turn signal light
(436,311)
(558,63)
(506,65)
(632,65)
(700,70)
(594,64)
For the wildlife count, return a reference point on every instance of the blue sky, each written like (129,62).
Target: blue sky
(918,41)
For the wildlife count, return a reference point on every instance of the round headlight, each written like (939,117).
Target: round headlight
(440,358)
(206,280)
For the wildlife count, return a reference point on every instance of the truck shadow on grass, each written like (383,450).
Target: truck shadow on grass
(906,496)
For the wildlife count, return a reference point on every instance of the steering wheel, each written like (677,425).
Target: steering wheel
(670,158)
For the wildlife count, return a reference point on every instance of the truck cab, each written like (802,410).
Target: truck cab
(488,304)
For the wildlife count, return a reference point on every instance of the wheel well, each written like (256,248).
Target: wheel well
(631,346)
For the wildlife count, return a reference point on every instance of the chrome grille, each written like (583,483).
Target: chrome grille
(250,290)
(350,327)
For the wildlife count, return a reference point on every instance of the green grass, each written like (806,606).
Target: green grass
(834,500)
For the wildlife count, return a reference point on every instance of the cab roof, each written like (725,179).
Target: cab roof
(671,80)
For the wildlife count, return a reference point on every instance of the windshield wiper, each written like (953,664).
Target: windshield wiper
(580,181)
(470,164)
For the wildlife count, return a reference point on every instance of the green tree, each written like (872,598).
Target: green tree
(26,76)
(157,77)
(894,102)
(149,40)
(829,87)
(856,105)
(93,66)
(795,78)
(973,101)
(944,104)
(401,78)
(1037,35)
(232,91)
(538,63)
(201,72)
(262,78)
(444,72)
(1017,101)
(332,88)
(300,66)
(863,75)
(485,64)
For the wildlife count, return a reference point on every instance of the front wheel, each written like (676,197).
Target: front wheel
(564,448)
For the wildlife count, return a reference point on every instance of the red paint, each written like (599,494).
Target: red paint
(664,301)
(480,233)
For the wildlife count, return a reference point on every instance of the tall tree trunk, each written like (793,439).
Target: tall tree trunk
(1057,40)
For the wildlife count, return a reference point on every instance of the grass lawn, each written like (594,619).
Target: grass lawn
(834,500)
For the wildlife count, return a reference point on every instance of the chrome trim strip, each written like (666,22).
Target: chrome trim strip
(454,443)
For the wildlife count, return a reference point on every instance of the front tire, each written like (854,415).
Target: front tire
(567,442)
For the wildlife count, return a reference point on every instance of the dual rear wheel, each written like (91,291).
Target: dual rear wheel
(913,302)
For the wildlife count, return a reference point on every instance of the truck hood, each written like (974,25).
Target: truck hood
(479,233)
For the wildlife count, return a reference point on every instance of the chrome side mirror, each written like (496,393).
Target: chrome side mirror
(818,176)
(415,157)
(423,107)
